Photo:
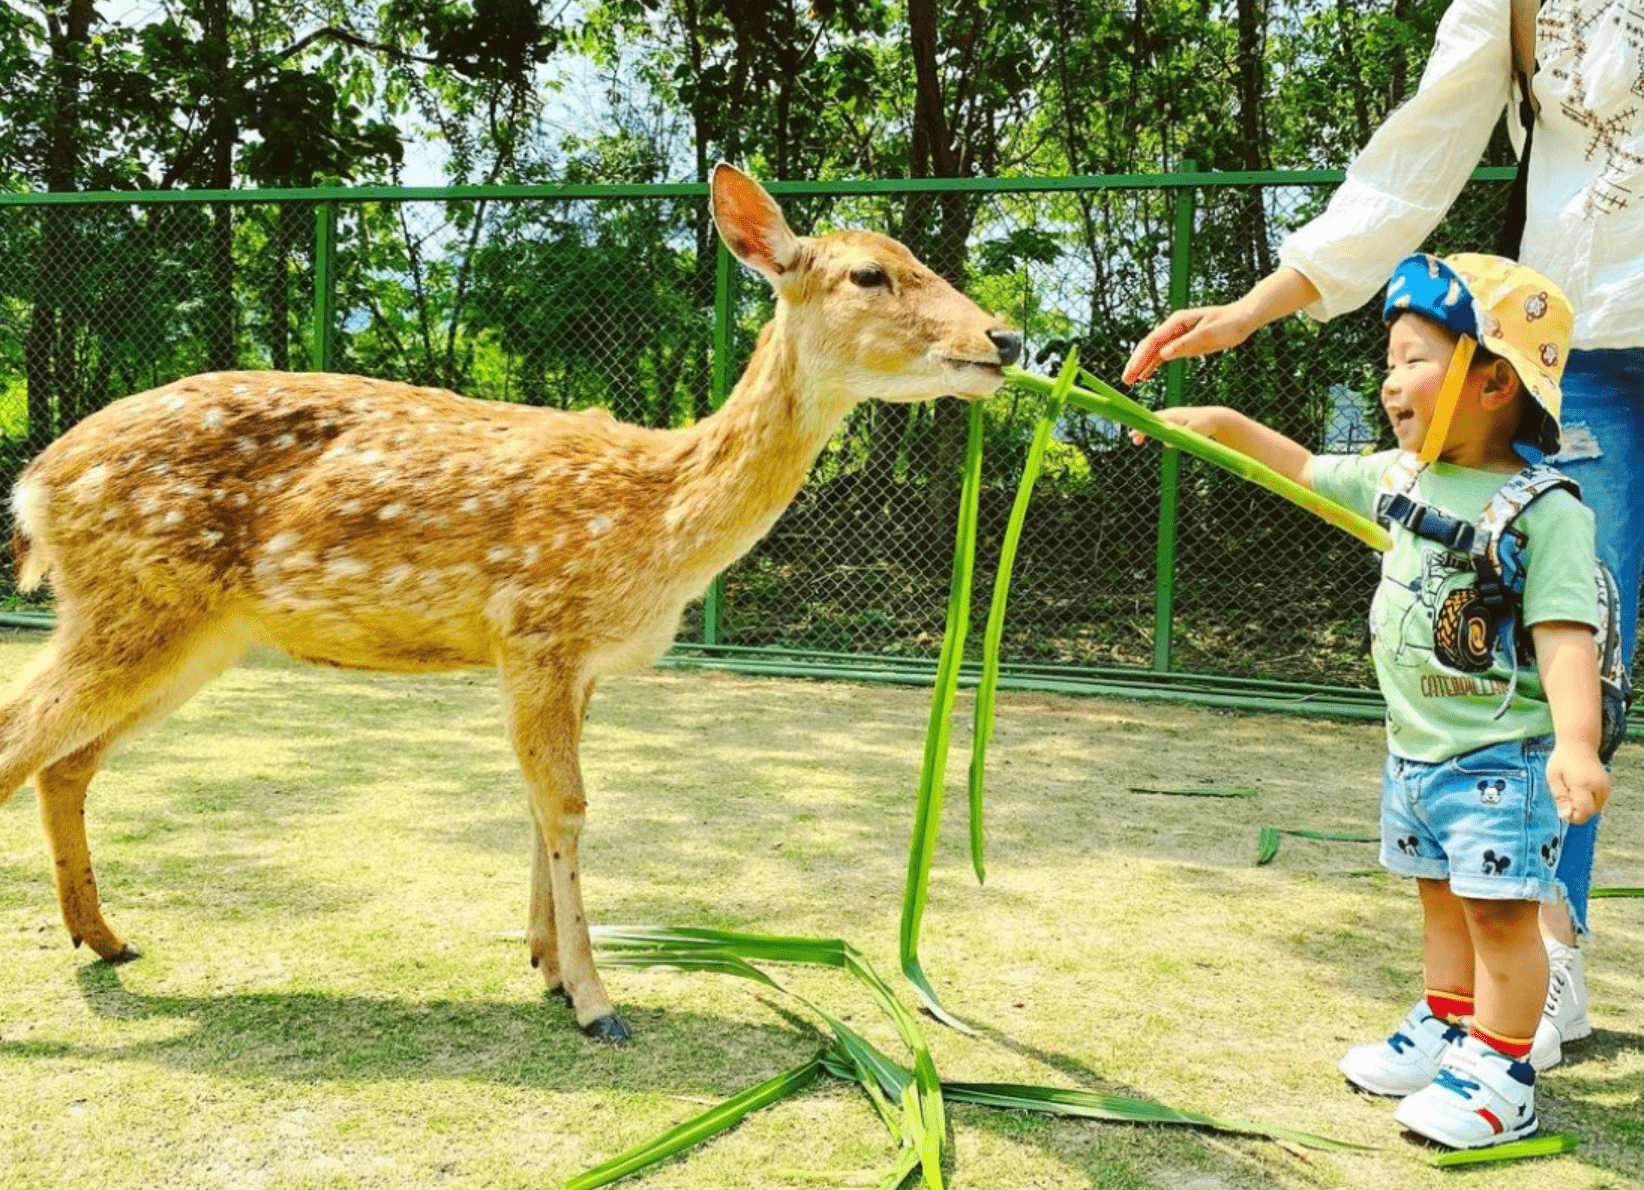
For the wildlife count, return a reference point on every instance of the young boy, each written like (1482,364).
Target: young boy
(1485,757)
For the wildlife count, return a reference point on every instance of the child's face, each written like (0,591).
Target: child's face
(1418,357)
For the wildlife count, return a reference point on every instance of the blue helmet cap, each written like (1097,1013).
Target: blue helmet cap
(1426,285)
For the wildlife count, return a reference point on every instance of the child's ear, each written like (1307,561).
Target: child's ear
(1500,386)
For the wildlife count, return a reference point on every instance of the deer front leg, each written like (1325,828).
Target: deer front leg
(545,709)
(62,787)
(540,936)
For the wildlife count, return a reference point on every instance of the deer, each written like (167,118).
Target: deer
(376,525)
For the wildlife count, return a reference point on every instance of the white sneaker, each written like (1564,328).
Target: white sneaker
(1566,1005)
(1407,1061)
(1548,1050)
(1480,1097)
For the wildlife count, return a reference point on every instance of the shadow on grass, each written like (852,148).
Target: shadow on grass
(309,1037)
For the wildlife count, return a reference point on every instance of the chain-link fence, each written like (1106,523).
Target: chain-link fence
(619,297)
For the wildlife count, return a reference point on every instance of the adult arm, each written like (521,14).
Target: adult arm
(1397,189)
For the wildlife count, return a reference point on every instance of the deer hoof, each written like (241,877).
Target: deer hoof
(124,955)
(558,992)
(609,1029)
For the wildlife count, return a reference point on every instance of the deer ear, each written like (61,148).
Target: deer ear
(751,224)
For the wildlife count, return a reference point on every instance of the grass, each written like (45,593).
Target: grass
(324,871)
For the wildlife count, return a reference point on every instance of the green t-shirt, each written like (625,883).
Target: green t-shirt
(1434,709)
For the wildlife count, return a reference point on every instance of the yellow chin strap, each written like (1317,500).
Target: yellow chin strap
(1439,428)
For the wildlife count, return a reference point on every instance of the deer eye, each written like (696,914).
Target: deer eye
(869,276)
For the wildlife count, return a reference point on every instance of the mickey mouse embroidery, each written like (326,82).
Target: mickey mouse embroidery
(1489,792)
(1549,852)
(1495,865)
(1409,845)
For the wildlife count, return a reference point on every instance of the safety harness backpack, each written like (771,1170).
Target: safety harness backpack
(1472,624)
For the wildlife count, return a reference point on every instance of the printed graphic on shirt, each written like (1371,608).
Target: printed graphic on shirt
(1580,47)
(1438,615)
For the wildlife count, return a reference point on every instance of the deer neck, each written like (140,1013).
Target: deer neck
(744,464)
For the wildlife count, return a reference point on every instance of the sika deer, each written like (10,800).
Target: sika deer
(375,525)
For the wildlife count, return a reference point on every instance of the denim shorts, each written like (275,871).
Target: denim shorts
(1485,821)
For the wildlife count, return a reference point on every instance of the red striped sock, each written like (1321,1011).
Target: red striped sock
(1517,1048)
(1449,1006)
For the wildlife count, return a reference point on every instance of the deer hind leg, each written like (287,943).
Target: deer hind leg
(545,709)
(86,695)
(62,785)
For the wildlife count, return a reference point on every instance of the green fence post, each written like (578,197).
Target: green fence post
(712,606)
(325,293)
(1170,461)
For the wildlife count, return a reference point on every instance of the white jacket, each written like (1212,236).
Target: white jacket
(1586,182)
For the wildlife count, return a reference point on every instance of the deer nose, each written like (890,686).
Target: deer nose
(1009,344)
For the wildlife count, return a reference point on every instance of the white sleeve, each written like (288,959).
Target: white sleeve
(1403,181)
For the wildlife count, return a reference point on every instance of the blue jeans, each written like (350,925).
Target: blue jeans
(1603,451)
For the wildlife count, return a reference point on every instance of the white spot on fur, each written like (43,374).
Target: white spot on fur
(281,542)
(212,537)
(531,554)
(498,553)
(176,401)
(245,445)
(390,511)
(599,524)
(472,504)
(286,440)
(397,574)
(345,567)
(174,517)
(240,390)
(88,487)
(213,419)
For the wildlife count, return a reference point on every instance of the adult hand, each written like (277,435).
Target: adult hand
(1206,329)
(1199,331)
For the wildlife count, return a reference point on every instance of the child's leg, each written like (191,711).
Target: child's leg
(1484,1091)
(1510,984)
(1447,957)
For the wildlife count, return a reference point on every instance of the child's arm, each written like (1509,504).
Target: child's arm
(1247,436)
(1568,660)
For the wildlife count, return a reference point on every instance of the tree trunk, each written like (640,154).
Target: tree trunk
(221,137)
(51,379)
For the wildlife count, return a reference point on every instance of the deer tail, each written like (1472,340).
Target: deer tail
(29,563)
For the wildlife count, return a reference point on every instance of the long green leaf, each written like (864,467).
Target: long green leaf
(1203,790)
(906,1162)
(1616,892)
(924,1121)
(1106,401)
(927,817)
(693,1131)
(1094,1105)
(1539,1146)
(988,687)
(1267,841)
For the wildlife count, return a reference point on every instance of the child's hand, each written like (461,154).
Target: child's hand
(1578,780)
(1201,419)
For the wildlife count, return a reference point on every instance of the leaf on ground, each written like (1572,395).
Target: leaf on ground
(1202,790)
(1539,1146)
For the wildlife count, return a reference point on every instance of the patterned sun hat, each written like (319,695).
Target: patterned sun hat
(1512,310)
